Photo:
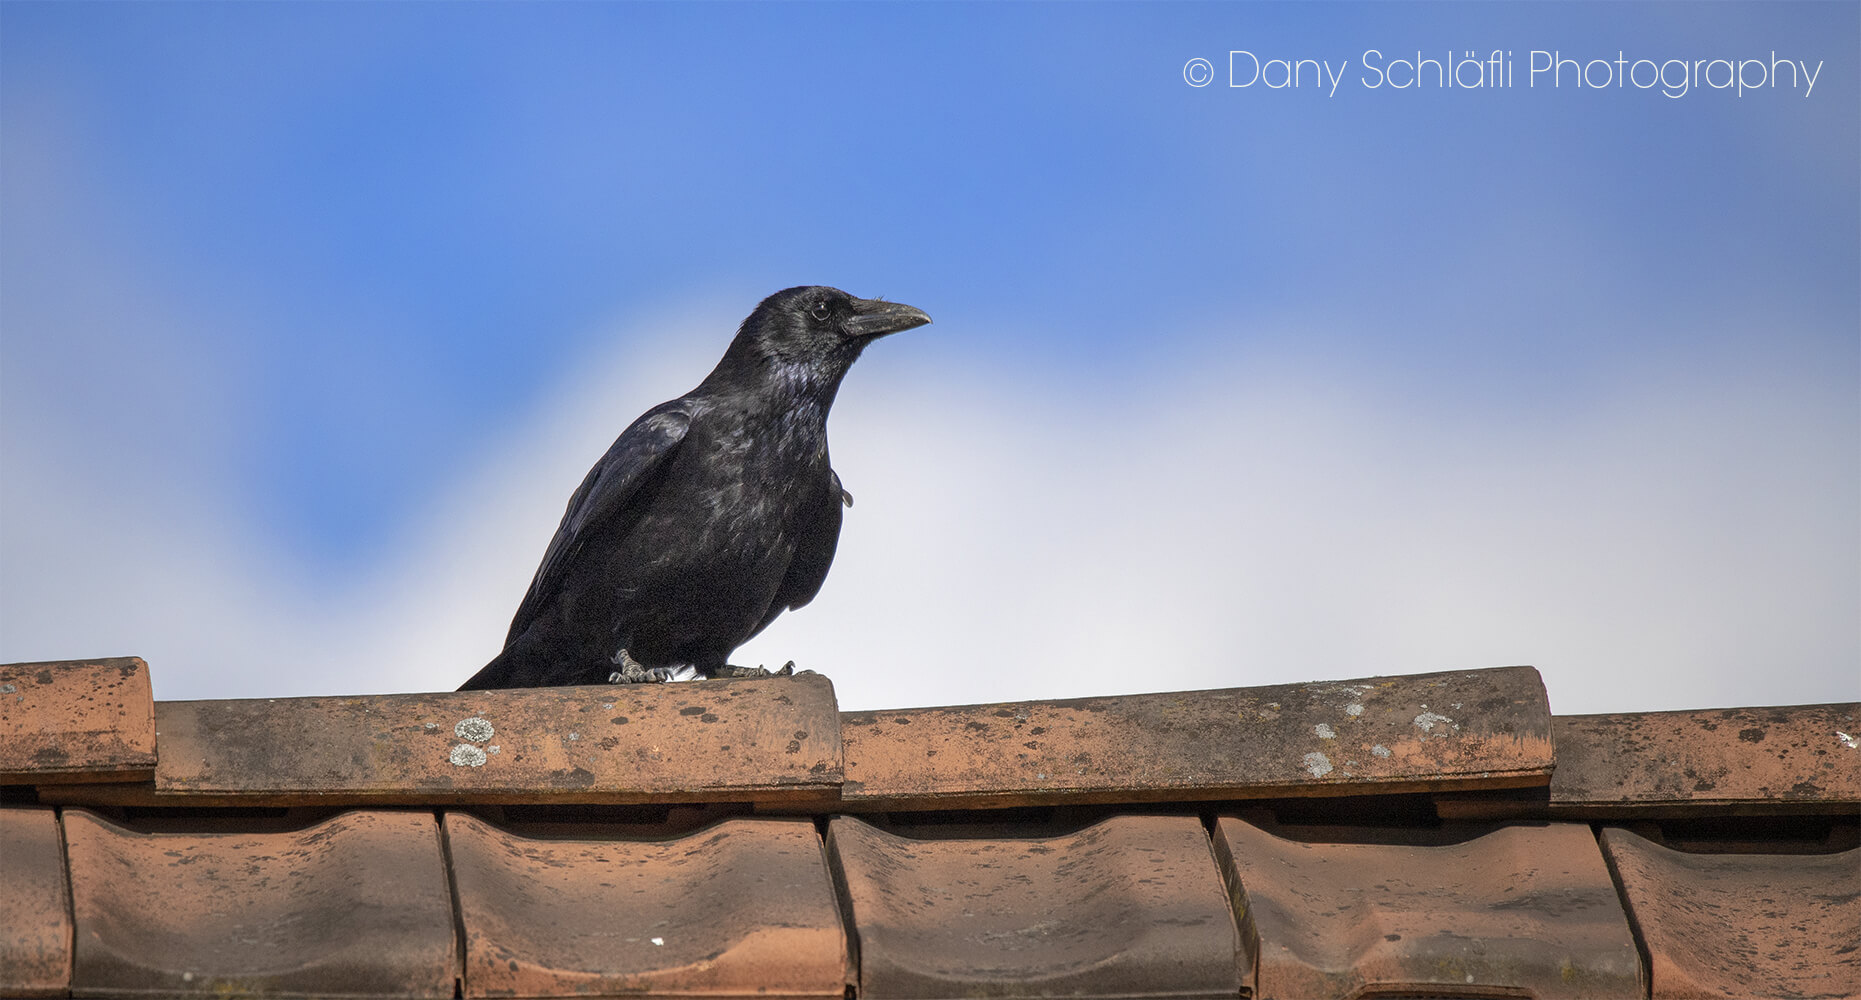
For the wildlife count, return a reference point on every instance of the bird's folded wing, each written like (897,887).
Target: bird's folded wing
(817,535)
(630,460)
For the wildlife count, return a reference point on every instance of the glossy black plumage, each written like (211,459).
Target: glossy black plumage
(709,516)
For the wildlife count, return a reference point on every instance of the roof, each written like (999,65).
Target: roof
(1427,835)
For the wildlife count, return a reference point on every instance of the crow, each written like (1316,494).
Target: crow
(708,517)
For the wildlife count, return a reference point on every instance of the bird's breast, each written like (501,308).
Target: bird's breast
(744,494)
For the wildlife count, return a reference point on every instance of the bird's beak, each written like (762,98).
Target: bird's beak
(876,318)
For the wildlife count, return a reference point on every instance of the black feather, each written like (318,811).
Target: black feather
(710,515)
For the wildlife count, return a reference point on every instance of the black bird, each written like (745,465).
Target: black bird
(708,517)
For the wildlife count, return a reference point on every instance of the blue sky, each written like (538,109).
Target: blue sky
(312,315)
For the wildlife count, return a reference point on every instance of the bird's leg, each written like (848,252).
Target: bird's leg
(633,671)
(630,671)
(732,670)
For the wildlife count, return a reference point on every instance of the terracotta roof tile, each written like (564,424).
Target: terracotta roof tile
(1130,907)
(1524,908)
(35,906)
(1475,728)
(76,720)
(1743,925)
(774,740)
(1732,760)
(741,908)
(355,906)
(656,807)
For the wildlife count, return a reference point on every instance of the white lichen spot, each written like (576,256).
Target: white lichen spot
(575,736)
(475,729)
(1380,750)
(1324,732)
(1332,690)
(432,725)
(9,689)
(1318,764)
(1846,740)
(493,748)
(659,941)
(467,755)
(1427,721)
(1353,710)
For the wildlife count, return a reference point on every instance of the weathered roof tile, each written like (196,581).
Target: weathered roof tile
(76,720)
(35,906)
(1130,907)
(355,906)
(740,908)
(1524,908)
(595,883)
(774,739)
(1744,925)
(1731,760)
(1464,729)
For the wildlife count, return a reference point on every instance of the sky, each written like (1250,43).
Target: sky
(313,315)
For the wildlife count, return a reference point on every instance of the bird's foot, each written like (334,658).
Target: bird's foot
(630,672)
(653,675)
(638,675)
(732,670)
(633,671)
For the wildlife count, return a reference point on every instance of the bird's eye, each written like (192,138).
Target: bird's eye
(820,310)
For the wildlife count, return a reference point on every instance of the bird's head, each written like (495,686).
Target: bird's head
(814,333)
(814,321)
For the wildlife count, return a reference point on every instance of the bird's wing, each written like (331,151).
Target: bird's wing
(603,494)
(816,539)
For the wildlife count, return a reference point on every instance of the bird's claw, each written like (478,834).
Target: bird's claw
(630,672)
(732,670)
(652,675)
(633,671)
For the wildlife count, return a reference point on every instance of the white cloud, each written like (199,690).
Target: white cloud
(1669,548)
(1665,550)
